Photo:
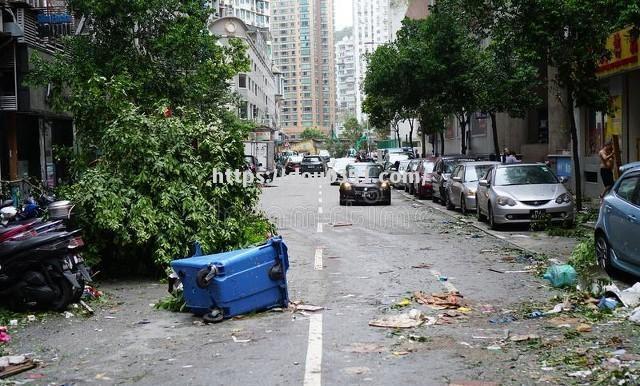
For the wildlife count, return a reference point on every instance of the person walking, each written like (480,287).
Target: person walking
(606,165)
(511,158)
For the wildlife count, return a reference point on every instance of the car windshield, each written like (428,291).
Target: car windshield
(403,165)
(295,158)
(311,159)
(448,166)
(369,171)
(525,175)
(474,173)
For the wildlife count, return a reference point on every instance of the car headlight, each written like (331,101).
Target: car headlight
(345,186)
(384,185)
(504,201)
(564,198)
(471,193)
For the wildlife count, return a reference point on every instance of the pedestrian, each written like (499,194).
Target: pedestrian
(606,165)
(511,158)
(504,155)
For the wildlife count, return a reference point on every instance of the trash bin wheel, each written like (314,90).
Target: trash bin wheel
(215,316)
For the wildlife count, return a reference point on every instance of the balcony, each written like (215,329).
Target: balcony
(8,103)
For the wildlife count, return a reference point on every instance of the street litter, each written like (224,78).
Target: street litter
(4,336)
(421,266)
(341,224)
(442,278)
(517,271)
(440,301)
(236,340)
(413,318)
(522,338)
(12,365)
(630,297)
(580,374)
(31,318)
(635,316)
(91,293)
(86,307)
(297,306)
(503,319)
(67,315)
(494,348)
(607,303)
(565,306)
(561,275)
(403,303)
(13,322)
(365,348)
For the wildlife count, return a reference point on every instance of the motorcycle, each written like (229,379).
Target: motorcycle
(40,263)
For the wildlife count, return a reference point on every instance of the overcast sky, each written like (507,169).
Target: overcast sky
(343,14)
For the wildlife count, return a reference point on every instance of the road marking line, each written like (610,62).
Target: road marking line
(320,200)
(319,210)
(317,265)
(446,283)
(313,364)
(320,193)
(319,227)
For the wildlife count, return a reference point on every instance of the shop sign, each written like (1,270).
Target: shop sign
(624,54)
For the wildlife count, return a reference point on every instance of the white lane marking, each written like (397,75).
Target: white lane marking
(313,364)
(447,284)
(319,210)
(319,227)
(320,193)
(498,236)
(320,200)
(317,264)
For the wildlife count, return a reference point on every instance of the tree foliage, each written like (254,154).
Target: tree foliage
(147,87)
(352,130)
(313,133)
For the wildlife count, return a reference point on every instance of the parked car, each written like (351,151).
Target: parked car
(293,164)
(463,185)
(313,164)
(365,184)
(521,193)
(411,172)
(324,154)
(423,184)
(444,167)
(339,168)
(618,225)
(401,174)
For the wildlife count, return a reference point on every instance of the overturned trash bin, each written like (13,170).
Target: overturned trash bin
(228,284)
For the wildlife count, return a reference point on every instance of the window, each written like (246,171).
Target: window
(628,189)
(242,80)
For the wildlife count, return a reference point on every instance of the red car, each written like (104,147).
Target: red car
(423,181)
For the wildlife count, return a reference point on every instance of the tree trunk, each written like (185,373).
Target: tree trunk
(463,132)
(577,173)
(411,133)
(494,128)
(441,143)
(424,140)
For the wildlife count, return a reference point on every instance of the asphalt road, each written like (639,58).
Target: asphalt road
(357,262)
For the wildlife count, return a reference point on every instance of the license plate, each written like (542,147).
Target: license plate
(538,214)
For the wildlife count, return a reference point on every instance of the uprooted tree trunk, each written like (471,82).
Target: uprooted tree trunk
(411,123)
(441,142)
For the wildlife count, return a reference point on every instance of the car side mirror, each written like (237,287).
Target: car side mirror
(484,183)
(563,180)
(457,179)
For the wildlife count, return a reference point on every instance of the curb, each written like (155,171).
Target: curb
(474,225)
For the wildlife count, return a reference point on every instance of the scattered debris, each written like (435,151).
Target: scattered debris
(562,275)
(13,322)
(522,338)
(442,278)
(558,308)
(580,374)
(635,316)
(91,293)
(236,340)
(517,271)
(308,308)
(4,336)
(494,347)
(629,297)
(413,318)
(365,348)
(341,224)
(440,301)
(67,315)
(508,318)
(31,318)
(421,266)
(87,307)
(607,303)
(403,303)
(16,364)
(583,327)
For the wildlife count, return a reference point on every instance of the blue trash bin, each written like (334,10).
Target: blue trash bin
(236,282)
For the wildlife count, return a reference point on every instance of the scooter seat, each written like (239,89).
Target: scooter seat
(10,248)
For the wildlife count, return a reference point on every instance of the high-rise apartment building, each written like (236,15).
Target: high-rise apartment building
(371,28)
(303,50)
(255,13)
(345,80)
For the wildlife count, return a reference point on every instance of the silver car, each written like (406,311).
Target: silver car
(402,174)
(463,185)
(521,193)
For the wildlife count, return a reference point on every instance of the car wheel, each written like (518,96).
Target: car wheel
(490,216)
(443,198)
(387,202)
(603,252)
(479,214)
(463,206)
(448,203)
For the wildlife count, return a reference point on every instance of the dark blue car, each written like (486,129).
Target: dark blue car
(618,227)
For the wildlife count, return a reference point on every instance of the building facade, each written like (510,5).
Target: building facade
(259,89)
(303,50)
(372,27)
(254,13)
(345,81)
(29,129)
